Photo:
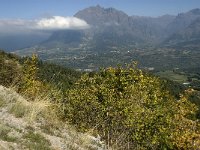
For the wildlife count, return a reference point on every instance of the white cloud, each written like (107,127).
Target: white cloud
(52,23)
(58,22)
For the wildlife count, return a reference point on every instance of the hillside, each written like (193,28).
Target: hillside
(125,107)
(29,117)
(32,125)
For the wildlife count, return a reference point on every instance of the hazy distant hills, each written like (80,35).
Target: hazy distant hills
(114,37)
(183,20)
(103,16)
(110,27)
(64,37)
(133,29)
(184,30)
(189,37)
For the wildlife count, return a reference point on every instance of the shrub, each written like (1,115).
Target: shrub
(10,71)
(30,85)
(130,110)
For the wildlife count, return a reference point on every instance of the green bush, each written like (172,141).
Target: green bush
(10,71)
(130,110)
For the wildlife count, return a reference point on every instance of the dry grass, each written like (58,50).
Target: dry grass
(2,102)
(35,111)
(19,109)
(39,115)
(9,95)
(39,109)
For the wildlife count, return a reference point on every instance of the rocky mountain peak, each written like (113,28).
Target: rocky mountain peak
(97,15)
(195,11)
(183,20)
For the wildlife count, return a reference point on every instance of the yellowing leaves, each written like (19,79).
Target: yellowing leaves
(125,102)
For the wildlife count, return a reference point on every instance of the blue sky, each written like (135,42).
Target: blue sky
(39,8)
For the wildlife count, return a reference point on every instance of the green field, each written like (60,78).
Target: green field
(171,75)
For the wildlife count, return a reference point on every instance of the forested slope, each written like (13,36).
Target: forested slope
(123,106)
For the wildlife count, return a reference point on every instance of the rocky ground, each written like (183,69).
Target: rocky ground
(23,126)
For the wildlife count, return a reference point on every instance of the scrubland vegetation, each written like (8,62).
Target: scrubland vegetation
(127,107)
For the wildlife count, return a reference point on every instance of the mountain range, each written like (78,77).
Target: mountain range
(111,27)
(112,30)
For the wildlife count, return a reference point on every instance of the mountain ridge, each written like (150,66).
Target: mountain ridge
(114,37)
(138,30)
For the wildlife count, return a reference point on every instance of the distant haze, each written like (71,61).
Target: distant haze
(20,33)
(108,36)
(26,23)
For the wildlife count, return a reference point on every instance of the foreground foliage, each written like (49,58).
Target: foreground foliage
(127,107)
(129,110)
(10,71)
